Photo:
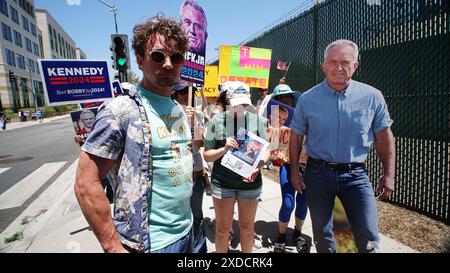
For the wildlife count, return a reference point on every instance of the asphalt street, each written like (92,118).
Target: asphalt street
(24,150)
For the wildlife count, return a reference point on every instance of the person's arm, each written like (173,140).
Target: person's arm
(204,101)
(211,155)
(79,139)
(261,163)
(295,149)
(93,201)
(198,137)
(385,147)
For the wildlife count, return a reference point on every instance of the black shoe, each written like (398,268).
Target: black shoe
(279,248)
(301,244)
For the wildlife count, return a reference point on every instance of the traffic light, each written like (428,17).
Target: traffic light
(119,47)
(113,60)
(12,78)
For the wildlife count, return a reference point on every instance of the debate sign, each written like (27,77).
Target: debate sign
(75,81)
(211,82)
(247,64)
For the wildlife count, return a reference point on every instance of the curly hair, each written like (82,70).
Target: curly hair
(168,28)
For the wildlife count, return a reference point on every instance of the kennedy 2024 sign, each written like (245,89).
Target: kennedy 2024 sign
(247,64)
(75,81)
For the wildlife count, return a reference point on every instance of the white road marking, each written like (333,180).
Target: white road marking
(20,192)
(45,206)
(2,170)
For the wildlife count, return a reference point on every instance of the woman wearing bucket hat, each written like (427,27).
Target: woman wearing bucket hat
(284,94)
(227,186)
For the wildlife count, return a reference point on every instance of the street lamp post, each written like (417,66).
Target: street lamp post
(113,9)
(32,90)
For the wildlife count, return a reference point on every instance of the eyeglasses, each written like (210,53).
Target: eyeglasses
(158,57)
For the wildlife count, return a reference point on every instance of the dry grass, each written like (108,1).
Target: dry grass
(413,229)
(410,228)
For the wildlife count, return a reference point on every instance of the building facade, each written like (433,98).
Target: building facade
(20,50)
(28,34)
(57,44)
(80,54)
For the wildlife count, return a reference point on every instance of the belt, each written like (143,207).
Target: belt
(340,167)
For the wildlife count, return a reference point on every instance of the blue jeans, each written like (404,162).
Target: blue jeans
(199,223)
(183,245)
(288,195)
(356,194)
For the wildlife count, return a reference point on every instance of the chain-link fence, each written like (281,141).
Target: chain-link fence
(404,52)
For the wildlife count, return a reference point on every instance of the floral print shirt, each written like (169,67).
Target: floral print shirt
(121,132)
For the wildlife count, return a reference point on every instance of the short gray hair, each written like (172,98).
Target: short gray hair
(194,4)
(342,43)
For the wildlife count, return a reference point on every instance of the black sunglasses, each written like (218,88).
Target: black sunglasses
(158,57)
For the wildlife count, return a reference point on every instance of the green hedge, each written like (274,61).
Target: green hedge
(49,111)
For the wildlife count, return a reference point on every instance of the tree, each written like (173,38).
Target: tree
(132,77)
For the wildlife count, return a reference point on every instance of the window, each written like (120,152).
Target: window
(10,58)
(28,45)
(31,65)
(37,68)
(50,31)
(27,7)
(41,46)
(33,29)
(6,32)
(25,23)
(4,7)
(14,15)
(36,49)
(56,41)
(20,61)
(60,44)
(18,38)
(64,48)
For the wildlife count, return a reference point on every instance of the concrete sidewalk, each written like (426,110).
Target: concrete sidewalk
(17,125)
(66,230)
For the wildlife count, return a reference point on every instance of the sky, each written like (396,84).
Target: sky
(90,23)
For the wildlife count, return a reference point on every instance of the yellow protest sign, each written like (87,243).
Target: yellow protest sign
(210,89)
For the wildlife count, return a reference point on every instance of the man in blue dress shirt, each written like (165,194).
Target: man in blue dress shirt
(341,118)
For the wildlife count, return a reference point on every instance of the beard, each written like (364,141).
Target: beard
(166,81)
(166,78)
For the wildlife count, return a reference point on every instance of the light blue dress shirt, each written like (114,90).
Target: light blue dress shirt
(340,126)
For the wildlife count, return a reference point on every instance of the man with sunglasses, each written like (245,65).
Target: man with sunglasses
(144,140)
